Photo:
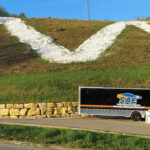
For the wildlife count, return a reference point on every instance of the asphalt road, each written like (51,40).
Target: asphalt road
(19,147)
(125,126)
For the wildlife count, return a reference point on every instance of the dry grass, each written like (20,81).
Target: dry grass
(125,64)
(11,50)
(132,48)
(67,33)
(16,57)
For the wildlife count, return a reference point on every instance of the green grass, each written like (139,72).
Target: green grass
(73,138)
(63,86)
(12,52)
(28,78)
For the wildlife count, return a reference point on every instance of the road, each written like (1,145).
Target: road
(124,126)
(19,147)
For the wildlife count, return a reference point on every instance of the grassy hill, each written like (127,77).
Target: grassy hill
(67,33)
(25,77)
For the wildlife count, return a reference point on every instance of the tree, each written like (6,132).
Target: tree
(22,15)
(3,12)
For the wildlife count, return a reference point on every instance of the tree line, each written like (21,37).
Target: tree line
(4,13)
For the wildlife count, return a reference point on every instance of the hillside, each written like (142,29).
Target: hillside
(25,77)
(68,33)
(84,29)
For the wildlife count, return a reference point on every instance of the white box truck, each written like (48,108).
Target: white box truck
(126,102)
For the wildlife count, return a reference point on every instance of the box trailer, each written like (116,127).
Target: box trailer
(126,102)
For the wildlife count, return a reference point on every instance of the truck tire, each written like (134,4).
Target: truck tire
(136,116)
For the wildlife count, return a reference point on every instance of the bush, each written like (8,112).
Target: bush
(22,15)
(13,15)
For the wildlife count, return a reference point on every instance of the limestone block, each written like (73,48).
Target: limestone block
(43,111)
(60,105)
(75,115)
(65,104)
(64,110)
(57,111)
(68,115)
(14,117)
(42,105)
(18,106)
(74,104)
(44,116)
(74,109)
(69,104)
(84,116)
(22,117)
(23,112)
(6,116)
(14,112)
(2,106)
(65,115)
(9,106)
(58,116)
(4,112)
(50,105)
(30,117)
(49,111)
(38,116)
(69,109)
(51,116)
(33,111)
(70,112)
(30,105)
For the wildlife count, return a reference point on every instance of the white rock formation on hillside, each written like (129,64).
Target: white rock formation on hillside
(91,49)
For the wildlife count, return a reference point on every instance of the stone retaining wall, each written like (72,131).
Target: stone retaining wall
(39,110)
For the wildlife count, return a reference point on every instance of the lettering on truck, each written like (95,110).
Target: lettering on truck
(128,98)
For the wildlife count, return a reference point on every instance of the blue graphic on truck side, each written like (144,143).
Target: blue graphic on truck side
(128,98)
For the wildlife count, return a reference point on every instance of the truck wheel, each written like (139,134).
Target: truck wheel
(136,116)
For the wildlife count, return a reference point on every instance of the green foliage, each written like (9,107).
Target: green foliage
(3,12)
(73,138)
(33,54)
(13,15)
(22,15)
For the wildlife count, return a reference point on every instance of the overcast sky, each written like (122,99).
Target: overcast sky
(76,9)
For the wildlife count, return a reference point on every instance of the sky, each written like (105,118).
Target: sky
(115,10)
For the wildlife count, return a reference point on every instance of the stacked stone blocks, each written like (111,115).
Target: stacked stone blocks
(39,110)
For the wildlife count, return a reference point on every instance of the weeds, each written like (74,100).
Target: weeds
(73,138)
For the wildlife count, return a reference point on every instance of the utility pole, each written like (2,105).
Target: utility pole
(88,9)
